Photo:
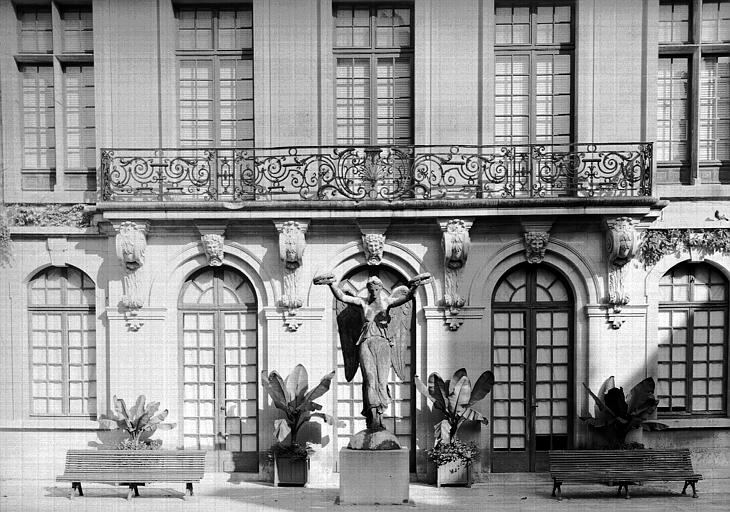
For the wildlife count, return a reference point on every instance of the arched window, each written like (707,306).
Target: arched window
(532,359)
(62,343)
(692,359)
(218,317)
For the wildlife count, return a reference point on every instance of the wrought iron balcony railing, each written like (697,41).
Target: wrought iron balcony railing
(376,173)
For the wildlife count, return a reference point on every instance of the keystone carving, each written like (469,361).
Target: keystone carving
(535,246)
(455,243)
(131,245)
(291,251)
(213,245)
(373,244)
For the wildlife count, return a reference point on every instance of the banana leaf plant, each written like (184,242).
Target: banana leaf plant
(296,400)
(616,415)
(454,398)
(140,421)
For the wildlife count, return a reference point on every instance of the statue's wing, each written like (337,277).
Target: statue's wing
(399,332)
(350,320)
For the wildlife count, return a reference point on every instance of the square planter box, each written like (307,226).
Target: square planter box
(289,471)
(454,473)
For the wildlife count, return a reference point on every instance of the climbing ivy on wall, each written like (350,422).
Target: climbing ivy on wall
(48,215)
(657,243)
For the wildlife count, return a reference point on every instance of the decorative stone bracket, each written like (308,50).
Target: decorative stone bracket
(291,251)
(456,244)
(131,244)
(373,239)
(622,242)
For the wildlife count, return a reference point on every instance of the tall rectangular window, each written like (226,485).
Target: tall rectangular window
(36,33)
(39,141)
(58,97)
(533,73)
(374,73)
(63,343)
(78,34)
(693,91)
(215,77)
(80,123)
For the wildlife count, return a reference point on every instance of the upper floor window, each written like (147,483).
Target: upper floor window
(693,130)
(534,50)
(693,343)
(374,75)
(57,84)
(215,66)
(61,307)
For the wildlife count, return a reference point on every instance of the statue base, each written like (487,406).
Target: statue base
(373,477)
(374,440)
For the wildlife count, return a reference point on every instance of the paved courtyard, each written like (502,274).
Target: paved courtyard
(216,493)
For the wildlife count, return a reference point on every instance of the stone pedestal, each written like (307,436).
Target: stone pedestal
(369,477)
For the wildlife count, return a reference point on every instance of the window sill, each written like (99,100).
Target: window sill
(694,423)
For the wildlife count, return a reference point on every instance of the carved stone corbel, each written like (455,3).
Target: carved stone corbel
(622,242)
(291,251)
(131,244)
(373,239)
(455,243)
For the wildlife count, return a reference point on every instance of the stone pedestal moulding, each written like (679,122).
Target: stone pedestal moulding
(622,243)
(291,251)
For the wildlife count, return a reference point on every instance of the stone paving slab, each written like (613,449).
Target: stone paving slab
(218,495)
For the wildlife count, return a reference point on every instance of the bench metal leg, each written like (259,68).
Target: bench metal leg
(188,490)
(132,489)
(687,483)
(76,486)
(625,486)
(556,487)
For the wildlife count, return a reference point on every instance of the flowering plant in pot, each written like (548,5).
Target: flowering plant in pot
(139,422)
(293,396)
(618,416)
(454,398)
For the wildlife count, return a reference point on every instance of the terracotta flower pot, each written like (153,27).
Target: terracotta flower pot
(454,473)
(290,471)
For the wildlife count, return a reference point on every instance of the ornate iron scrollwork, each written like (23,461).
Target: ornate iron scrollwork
(374,173)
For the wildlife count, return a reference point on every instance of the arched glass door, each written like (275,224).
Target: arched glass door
(532,403)
(219,365)
(399,418)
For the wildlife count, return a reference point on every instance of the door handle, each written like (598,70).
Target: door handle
(224,435)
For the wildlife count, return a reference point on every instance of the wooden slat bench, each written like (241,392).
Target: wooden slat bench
(133,468)
(622,468)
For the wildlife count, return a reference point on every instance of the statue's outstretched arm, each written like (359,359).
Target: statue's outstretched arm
(329,280)
(399,298)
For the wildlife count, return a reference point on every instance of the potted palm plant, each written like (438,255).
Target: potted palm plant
(139,422)
(454,398)
(296,400)
(619,417)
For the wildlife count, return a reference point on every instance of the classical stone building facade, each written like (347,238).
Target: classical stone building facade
(175,173)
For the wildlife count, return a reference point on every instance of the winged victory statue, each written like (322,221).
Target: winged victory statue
(374,334)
